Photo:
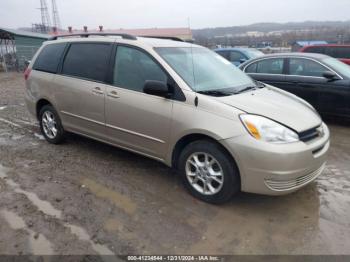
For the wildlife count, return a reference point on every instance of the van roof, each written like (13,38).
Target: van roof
(152,41)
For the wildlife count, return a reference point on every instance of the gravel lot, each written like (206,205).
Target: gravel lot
(85,197)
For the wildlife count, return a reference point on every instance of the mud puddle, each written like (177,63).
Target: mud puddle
(47,208)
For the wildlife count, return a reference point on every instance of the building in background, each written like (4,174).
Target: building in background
(17,46)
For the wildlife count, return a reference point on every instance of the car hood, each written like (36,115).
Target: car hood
(278,105)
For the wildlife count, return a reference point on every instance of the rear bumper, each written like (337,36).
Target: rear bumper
(272,169)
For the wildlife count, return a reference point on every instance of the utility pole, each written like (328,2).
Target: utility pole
(55,16)
(45,17)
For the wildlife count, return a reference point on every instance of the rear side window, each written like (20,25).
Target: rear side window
(133,67)
(49,58)
(87,60)
(270,66)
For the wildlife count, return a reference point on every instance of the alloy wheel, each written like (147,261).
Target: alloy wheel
(204,173)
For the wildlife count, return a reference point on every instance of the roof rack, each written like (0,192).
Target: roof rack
(174,38)
(124,36)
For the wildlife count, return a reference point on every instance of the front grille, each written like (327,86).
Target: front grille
(282,185)
(310,134)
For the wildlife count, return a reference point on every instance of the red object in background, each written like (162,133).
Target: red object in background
(27,73)
(345,60)
(341,52)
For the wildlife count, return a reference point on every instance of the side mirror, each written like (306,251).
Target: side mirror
(156,88)
(330,75)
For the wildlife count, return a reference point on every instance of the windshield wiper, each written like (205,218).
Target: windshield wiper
(214,93)
(257,85)
(246,89)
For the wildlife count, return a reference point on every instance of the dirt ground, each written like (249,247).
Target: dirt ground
(85,197)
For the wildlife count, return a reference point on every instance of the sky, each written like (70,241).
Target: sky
(114,14)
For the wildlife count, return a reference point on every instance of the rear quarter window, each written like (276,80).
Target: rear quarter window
(49,58)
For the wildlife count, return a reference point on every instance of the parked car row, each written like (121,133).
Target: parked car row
(341,52)
(321,80)
(237,55)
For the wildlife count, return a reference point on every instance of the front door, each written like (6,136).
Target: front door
(136,120)
(334,98)
(305,79)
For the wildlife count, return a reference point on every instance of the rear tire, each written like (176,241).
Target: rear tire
(50,125)
(208,172)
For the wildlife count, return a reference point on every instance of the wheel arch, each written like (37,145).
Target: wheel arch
(41,102)
(189,138)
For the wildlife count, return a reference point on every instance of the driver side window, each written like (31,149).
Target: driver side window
(305,67)
(133,67)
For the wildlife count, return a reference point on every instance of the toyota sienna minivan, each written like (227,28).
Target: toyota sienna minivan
(180,104)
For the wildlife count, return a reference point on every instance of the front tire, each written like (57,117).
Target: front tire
(50,125)
(208,172)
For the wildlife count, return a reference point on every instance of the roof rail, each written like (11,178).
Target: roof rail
(124,36)
(174,38)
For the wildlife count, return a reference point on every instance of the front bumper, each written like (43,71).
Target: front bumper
(277,169)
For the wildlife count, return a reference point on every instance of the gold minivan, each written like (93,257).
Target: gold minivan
(180,104)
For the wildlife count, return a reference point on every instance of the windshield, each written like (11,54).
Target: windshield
(338,66)
(204,70)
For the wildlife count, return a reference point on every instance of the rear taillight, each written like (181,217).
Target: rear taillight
(26,73)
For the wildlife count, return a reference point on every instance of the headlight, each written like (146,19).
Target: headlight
(267,130)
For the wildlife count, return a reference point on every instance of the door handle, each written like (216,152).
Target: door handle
(97,90)
(113,94)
